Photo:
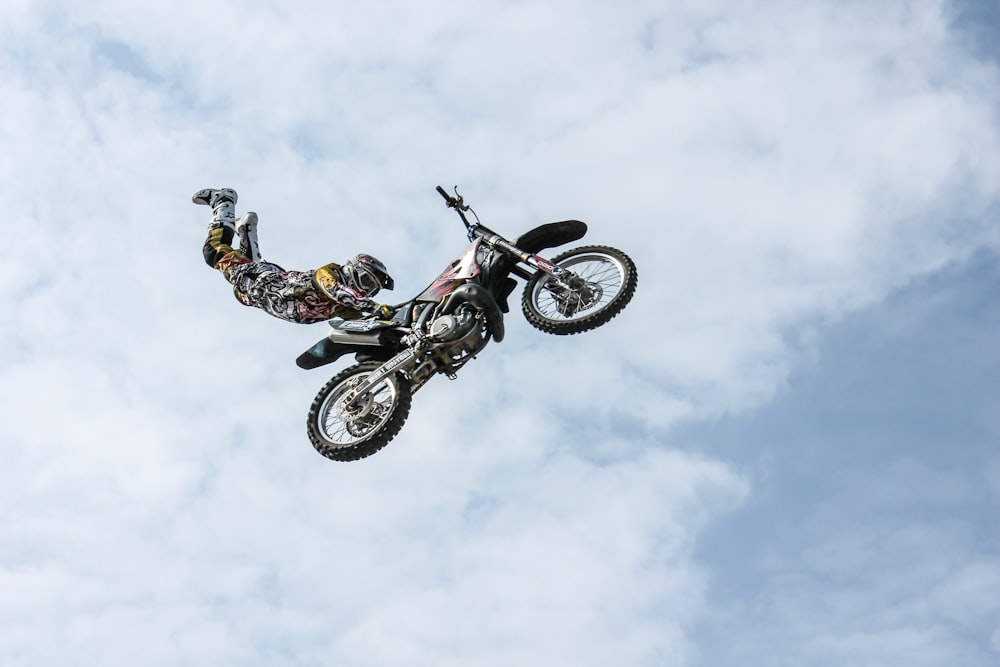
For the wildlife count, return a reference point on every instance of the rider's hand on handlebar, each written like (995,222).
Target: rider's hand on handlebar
(384,311)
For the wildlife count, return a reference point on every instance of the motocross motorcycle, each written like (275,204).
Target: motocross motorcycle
(364,406)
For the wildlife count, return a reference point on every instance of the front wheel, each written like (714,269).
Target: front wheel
(602,284)
(344,431)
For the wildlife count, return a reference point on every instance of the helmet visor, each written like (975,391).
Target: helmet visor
(368,281)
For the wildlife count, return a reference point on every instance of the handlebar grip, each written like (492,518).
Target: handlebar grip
(444,193)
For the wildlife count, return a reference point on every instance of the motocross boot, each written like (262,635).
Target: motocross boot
(223,203)
(211,196)
(246,229)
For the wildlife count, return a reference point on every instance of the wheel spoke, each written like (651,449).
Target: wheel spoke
(344,431)
(602,276)
(601,282)
(345,425)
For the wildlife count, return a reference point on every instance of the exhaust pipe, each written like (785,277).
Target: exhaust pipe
(477,296)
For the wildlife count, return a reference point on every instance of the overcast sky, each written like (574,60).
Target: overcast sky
(784,452)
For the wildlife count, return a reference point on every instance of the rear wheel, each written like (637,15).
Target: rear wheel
(603,283)
(344,431)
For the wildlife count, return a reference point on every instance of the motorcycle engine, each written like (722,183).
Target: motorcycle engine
(445,328)
(452,327)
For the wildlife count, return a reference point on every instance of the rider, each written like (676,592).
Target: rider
(306,297)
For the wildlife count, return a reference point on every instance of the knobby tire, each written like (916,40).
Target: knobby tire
(629,275)
(370,442)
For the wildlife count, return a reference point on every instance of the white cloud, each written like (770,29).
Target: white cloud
(769,170)
(863,596)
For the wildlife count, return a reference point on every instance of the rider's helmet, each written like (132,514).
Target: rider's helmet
(366,275)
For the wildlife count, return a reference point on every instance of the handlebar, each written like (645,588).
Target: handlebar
(447,197)
(455,202)
(459,205)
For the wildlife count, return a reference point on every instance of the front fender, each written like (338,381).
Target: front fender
(551,235)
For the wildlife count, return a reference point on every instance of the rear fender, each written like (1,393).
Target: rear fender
(346,338)
(327,351)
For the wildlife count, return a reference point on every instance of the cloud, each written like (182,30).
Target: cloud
(770,171)
(866,537)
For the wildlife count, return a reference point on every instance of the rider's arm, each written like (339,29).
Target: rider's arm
(360,306)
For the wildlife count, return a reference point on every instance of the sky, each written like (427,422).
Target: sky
(783,452)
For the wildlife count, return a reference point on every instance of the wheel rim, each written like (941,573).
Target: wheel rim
(603,278)
(343,425)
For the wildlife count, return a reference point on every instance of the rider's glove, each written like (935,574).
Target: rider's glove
(384,311)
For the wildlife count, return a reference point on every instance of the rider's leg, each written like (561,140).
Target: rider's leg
(223,203)
(218,250)
(246,229)
(256,283)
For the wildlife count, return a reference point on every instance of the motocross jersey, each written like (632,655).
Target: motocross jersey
(295,296)
(288,295)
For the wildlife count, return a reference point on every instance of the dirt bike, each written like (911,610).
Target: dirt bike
(364,406)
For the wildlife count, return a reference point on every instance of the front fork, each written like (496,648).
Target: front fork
(571,292)
(564,276)
(536,262)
